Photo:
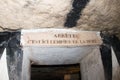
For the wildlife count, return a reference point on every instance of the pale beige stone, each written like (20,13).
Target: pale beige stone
(17,14)
(115,66)
(101,15)
(97,15)
(91,66)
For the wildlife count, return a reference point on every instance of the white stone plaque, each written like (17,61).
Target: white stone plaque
(60,37)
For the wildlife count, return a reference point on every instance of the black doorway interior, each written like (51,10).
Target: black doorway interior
(55,72)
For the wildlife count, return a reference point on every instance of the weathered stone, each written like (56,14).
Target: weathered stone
(97,14)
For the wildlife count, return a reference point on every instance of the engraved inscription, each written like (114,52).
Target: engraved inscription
(61,39)
(66,35)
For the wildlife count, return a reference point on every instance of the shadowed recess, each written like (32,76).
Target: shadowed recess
(75,13)
(3,41)
(1,52)
(14,56)
(107,61)
(106,55)
(55,72)
(115,42)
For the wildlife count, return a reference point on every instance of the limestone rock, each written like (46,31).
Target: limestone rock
(17,14)
(97,14)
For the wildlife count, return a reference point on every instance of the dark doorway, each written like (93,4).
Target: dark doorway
(55,72)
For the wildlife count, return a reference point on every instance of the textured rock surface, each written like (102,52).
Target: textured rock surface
(101,15)
(97,15)
(16,14)
(91,66)
(116,68)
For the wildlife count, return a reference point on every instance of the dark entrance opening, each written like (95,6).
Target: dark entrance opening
(55,72)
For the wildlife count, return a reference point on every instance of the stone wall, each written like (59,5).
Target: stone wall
(96,15)
(92,68)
